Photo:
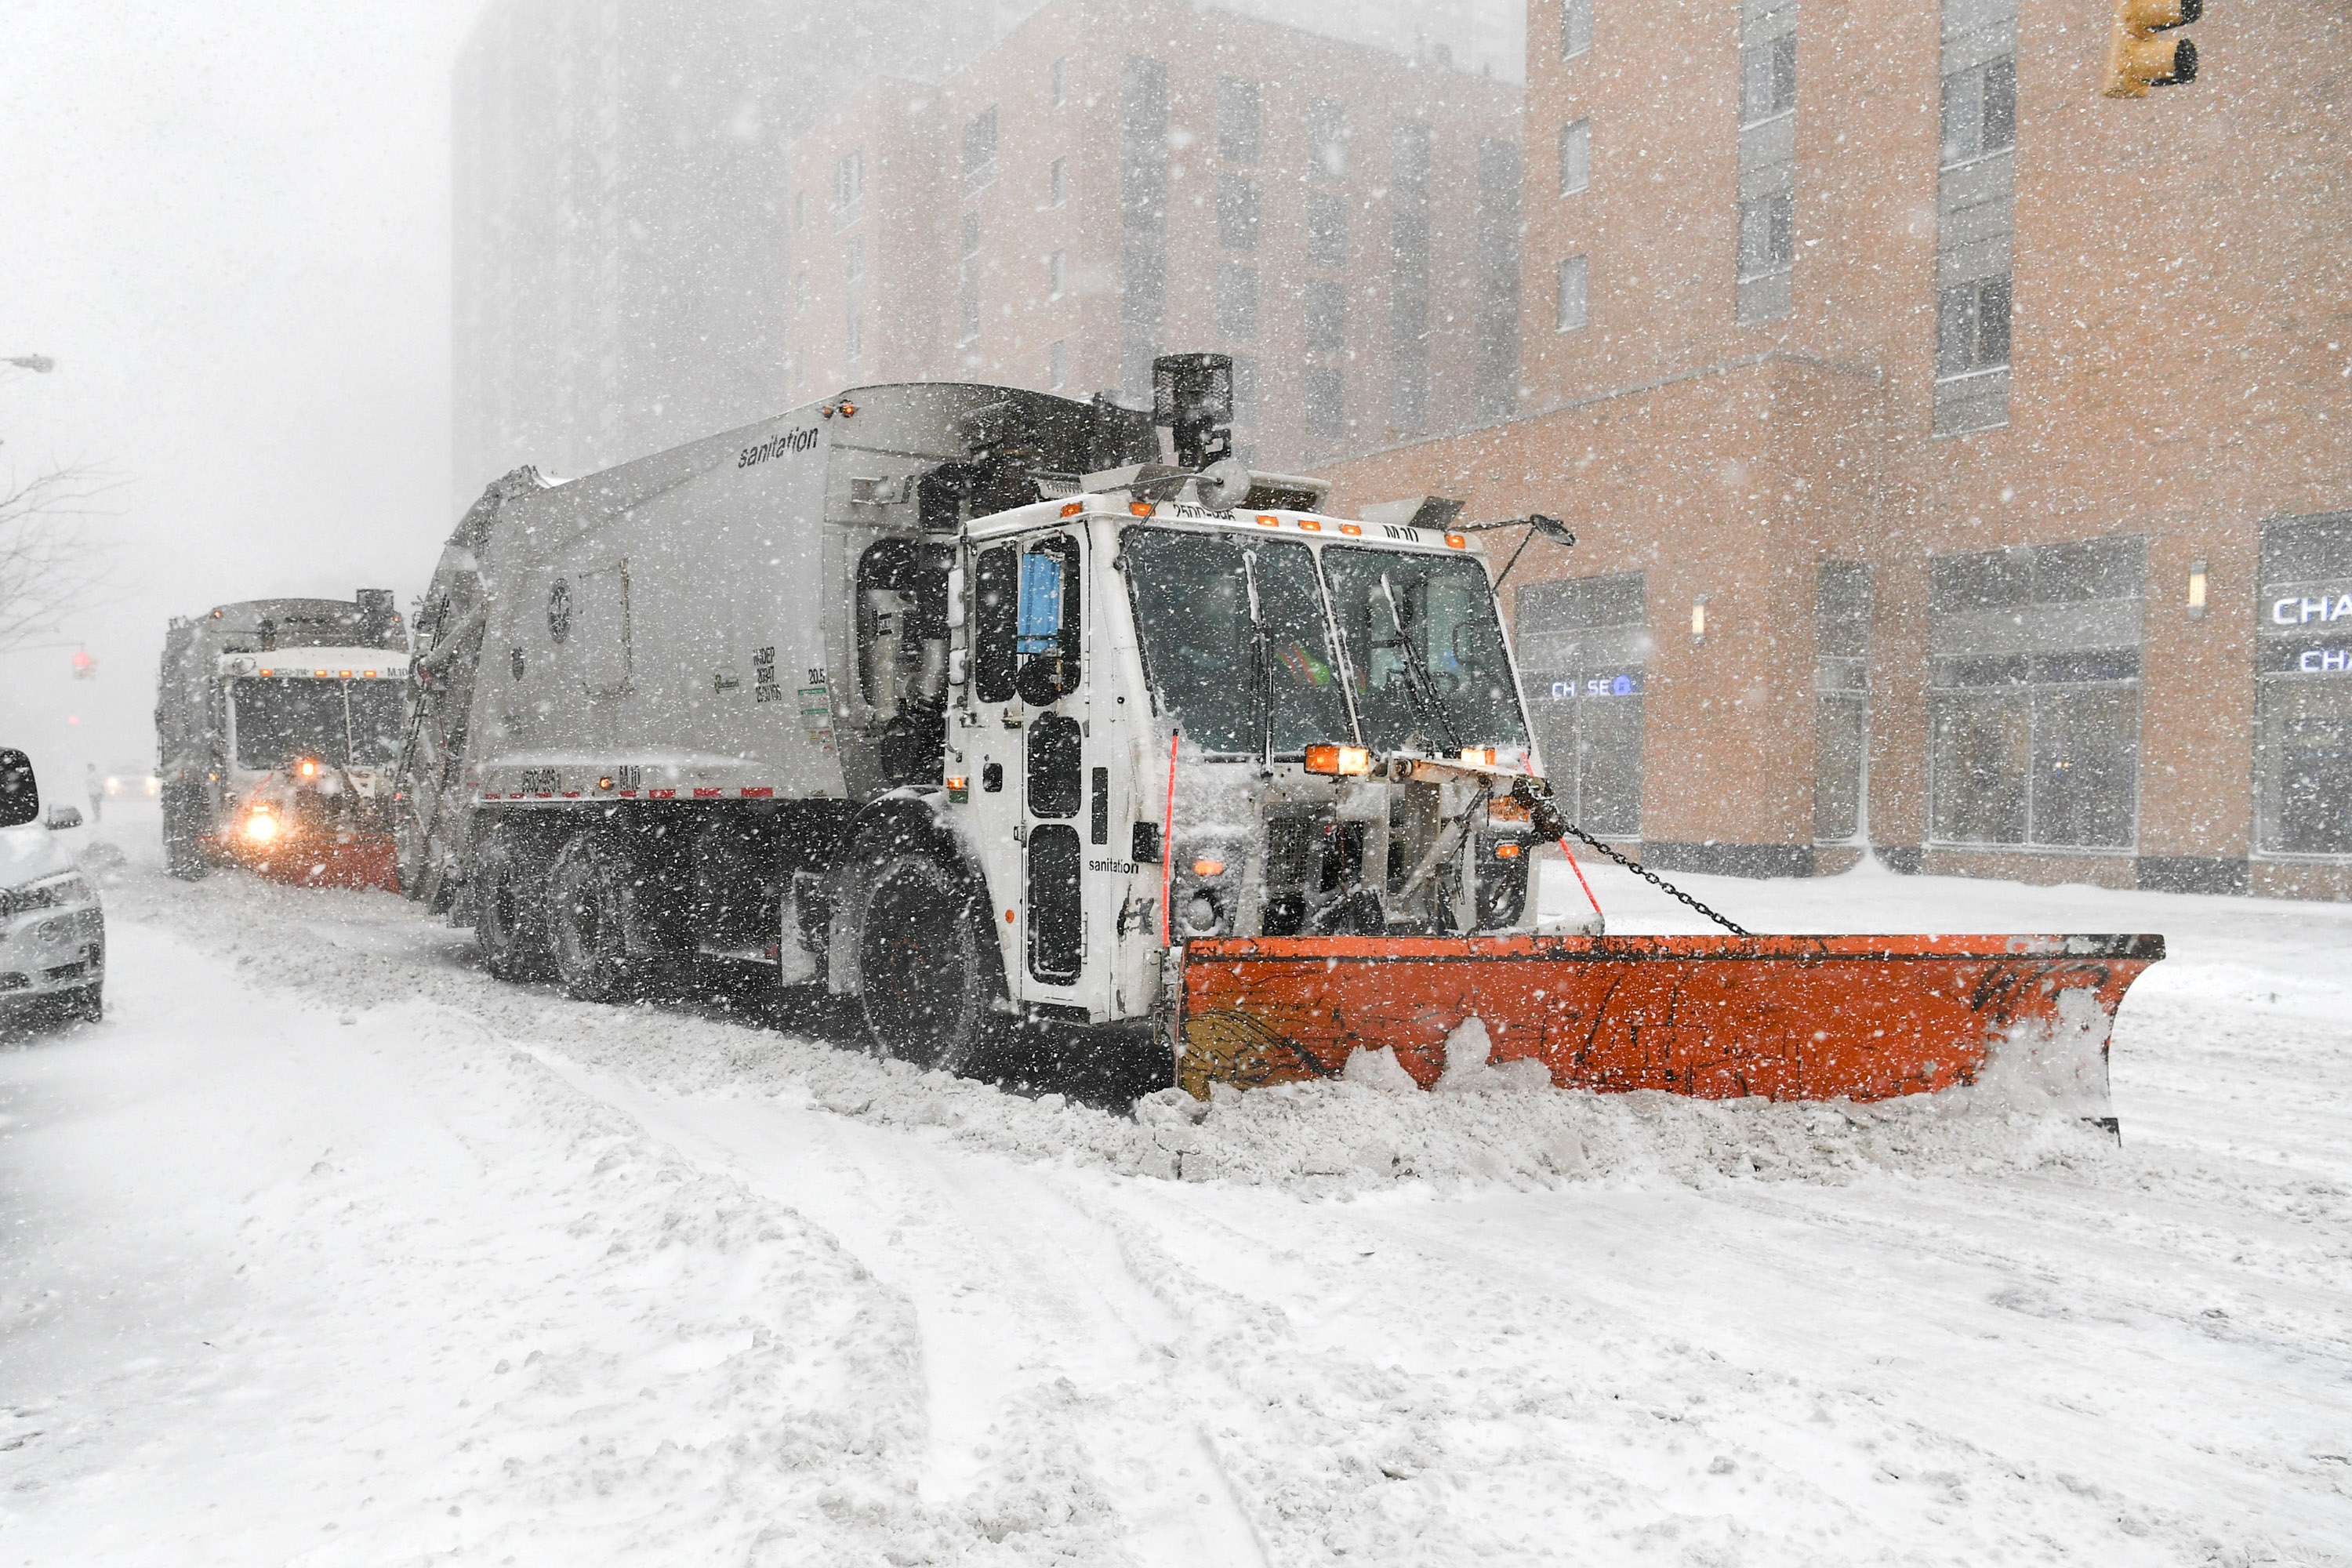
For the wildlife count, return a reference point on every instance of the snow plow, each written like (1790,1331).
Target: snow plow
(1716,1017)
(971,704)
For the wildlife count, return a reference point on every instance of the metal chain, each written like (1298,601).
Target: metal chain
(1656,881)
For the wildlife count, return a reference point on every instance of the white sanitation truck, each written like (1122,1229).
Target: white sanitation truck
(961,700)
(277,725)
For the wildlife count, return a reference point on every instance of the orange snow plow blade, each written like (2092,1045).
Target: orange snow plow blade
(1719,1018)
(340,860)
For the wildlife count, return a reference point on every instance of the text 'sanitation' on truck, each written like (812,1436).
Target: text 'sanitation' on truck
(969,703)
(277,722)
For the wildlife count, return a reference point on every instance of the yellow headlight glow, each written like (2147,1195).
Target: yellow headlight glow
(261,828)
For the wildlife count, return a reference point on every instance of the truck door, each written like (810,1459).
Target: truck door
(1027,761)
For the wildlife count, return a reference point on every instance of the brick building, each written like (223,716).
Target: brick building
(1118,178)
(1962,459)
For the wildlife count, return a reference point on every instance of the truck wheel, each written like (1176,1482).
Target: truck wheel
(510,907)
(927,978)
(184,851)
(591,909)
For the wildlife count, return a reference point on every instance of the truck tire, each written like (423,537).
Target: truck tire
(591,918)
(183,849)
(929,977)
(510,905)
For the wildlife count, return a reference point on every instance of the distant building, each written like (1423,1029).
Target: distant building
(1116,179)
(1961,460)
(619,218)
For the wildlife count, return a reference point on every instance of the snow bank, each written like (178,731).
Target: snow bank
(1485,1126)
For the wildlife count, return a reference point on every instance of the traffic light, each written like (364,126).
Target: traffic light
(2137,58)
(84,667)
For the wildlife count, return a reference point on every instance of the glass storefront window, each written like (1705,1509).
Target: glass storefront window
(1582,655)
(2033,704)
(2302,749)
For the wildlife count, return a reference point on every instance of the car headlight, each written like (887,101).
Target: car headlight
(48,893)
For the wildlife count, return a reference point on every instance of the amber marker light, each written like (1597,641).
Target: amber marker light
(1141,507)
(1338,760)
(308,767)
(1457,541)
(1204,866)
(319,673)
(1478,756)
(1075,508)
(959,789)
(370,674)
(1352,530)
(1507,851)
(603,784)
(1265,521)
(269,672)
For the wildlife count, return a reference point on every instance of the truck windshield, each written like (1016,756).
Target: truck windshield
(1231,680)
(1424,651)
(351,724)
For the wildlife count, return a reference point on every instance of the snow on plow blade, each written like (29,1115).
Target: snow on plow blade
(340,860)
(1786,1018)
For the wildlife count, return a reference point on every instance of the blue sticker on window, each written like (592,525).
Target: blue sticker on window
(1040,629)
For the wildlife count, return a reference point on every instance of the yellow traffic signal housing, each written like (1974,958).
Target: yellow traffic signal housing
(2137,58)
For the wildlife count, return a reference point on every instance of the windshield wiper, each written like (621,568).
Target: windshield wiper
(1418,684)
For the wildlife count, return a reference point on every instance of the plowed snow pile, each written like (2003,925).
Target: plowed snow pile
(1371,1130)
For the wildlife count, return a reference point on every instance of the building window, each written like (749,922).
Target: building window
(1326,315)
(848,189)
(1237,300)
(968,337)
(1244,398)
(1767,241)
(980,150)
(1327,137)
(1840,701)
(1573,308)
(1058,82)
(1054,368)
(1575,156)
(1980,111)
(1971,328)
(2303,751)
(1236,119)
(2033,699)
(1582,646)
(800,209)
(1327,413)
(1327,231)
(1575,27)
(1409,291)
(800,292)
(1768,80)
(1057,181)
(1054,275)
(1236,212)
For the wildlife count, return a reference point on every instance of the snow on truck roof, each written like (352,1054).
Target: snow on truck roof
(313,663)
(1315,525)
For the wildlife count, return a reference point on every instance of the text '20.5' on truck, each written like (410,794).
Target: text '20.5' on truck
(964,702)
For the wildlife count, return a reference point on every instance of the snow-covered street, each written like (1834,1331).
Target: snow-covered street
(328,1249)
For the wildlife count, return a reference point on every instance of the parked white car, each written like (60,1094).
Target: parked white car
(52,926)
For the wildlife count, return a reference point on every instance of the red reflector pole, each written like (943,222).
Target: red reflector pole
(1168,836)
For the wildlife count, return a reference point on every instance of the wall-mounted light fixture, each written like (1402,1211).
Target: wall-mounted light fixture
(1698,619)
(2197,590)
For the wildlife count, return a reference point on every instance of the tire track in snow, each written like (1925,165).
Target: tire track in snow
(1040,1347)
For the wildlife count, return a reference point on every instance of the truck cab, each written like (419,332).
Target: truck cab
(1172,719)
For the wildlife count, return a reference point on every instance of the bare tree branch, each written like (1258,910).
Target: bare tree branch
(51,562)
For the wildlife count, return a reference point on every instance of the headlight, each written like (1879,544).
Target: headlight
(261,828)
(48,893)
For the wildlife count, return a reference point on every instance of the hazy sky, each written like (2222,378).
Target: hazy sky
(227,220)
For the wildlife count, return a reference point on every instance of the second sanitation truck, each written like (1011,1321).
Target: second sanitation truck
(971,703)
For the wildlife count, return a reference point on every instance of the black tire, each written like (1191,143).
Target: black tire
(593,939)
(510,905)
(183,849)
(89,1003)
(929,979)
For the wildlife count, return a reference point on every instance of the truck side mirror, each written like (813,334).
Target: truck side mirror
(64,816)
(20,796)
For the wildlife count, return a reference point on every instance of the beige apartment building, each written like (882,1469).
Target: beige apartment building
(1961,460)
(1116,179)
